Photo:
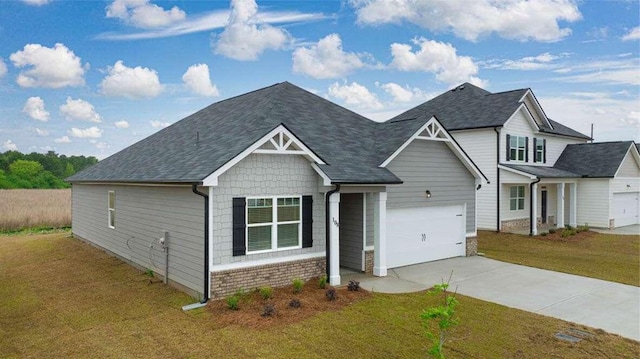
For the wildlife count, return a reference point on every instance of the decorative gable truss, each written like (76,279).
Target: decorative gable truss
(432,130)
(278,141)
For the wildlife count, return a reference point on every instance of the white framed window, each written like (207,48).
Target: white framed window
(539,150)
(111,207)
(517,148)
(516,198)
(273,223)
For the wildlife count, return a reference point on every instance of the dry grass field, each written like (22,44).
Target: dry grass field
(31,208)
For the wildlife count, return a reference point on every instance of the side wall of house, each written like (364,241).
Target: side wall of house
(480,145)
(431,165)
(593,202)
(264,175)
(142,213)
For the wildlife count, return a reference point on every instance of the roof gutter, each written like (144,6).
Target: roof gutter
(327,231)
(497,129)
(205,289)
(531,204)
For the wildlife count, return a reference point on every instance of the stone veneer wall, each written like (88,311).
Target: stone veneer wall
(368,261)
(523,223)
(472,246)
(227,282)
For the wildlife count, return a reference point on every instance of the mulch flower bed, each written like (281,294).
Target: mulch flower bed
(312,300)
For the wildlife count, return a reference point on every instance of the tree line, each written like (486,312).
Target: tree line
(39,170)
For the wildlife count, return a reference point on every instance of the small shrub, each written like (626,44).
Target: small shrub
(322,282)
(297,285)
(269,310)
(552,230)
(573,232)
(584,228)
(353,286)
(240,293)
(568,227)
(232,302)
(149,272)
(442,315)
(331,294)
(544,234)
(266,292)
(295,303)
(565,233)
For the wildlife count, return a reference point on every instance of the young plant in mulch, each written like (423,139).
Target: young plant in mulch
(266,292)
(232,302)
(322,282)
(442,315)
(298,284)
(269,310)
(353,286)
(331,294)
(295,303)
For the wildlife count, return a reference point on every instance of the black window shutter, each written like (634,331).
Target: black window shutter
(239,225)
(307,221)
(544,150)
(535,149)
(526,149)
(508,147)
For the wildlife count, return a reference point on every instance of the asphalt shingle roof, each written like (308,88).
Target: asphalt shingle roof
(191,149)
(596,160)
(543,172)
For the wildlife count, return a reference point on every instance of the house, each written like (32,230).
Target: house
(278,184)
(540,171)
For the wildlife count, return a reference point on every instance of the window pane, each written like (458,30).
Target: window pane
(513,142)
(259,210)
(288,209)
(513,192)
(521,203)
(512,204)
(288,235)
(259,238)
(513,153)
(112,200)
(112,218)
(520,191)
(520,154)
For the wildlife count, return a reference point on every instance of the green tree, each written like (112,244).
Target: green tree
(25,169)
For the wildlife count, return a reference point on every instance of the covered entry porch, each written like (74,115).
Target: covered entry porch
(535,198)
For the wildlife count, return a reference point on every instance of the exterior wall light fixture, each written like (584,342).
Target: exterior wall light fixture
(428,193)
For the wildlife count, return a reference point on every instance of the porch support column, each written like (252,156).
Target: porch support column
(334,238)
(573,204)
(534,209)
(560,210)
(380,235)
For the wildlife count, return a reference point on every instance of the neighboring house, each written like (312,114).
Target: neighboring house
(278,184)
(540,171)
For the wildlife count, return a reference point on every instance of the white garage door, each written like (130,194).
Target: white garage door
(417,235)
(625,209)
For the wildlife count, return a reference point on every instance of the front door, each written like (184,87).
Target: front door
(543,210)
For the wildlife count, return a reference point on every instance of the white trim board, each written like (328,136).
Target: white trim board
(261,262)
(281,148)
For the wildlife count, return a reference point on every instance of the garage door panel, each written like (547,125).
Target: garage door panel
(626,208)
(417,235)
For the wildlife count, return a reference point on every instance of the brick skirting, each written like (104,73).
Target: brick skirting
(368,262)
(472,246)
(229,281)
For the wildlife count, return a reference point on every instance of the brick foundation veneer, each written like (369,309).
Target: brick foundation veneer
(227,282)
(472,246)
(368,262)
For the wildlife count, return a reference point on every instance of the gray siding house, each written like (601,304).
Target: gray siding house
(278,184)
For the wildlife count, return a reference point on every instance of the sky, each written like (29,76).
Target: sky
(93,77)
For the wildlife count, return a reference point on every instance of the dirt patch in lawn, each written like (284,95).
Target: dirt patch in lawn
(254,311)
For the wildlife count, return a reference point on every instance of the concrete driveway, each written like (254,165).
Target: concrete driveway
(610,306)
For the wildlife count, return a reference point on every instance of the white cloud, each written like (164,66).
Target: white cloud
(130,82)
(517,19)
(355,95)
(633,34)
(158,124)
(438,58)
(198,80)
(246,37)
(36,2)
(325,59)
(8,145)
(403,94)
(121,124)
(42,133)
(79,110)
(143,14)
(529,63)
(34,107)
(48,67)
(91,132)
(102,145)
(3,68)
(63,139)
(619,71)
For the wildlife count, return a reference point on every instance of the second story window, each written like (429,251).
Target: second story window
(540,147)
(517,148)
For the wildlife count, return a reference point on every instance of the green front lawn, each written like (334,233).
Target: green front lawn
(61,298)
(603,256)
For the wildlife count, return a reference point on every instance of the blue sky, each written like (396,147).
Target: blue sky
(93,77)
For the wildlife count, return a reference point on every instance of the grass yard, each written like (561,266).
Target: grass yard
(33,208)
(60,297)
(604,256)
